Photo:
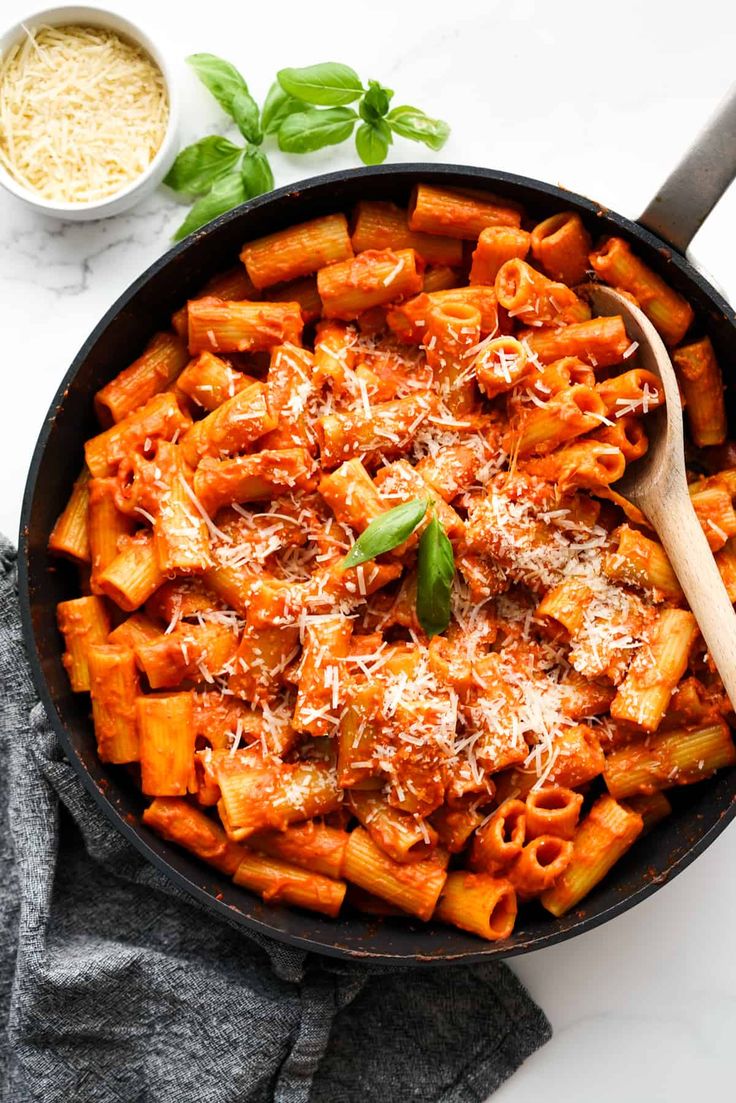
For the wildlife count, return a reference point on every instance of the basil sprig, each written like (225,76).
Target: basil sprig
(435,574)
(387,532)
(226,193)
(326,85)
(256,172)
(435,559)
(277,107)
(310,129)
(305,110)
(220,78)
(198,166)
(413,124)
(372,141)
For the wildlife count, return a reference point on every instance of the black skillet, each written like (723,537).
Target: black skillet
(700,811)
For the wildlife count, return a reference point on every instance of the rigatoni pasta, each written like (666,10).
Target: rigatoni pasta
(293,720)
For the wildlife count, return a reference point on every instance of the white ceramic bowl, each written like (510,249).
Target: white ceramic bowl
(159,166)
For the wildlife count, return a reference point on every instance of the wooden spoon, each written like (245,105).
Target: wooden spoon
(657,484)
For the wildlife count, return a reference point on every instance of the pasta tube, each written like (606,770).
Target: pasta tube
(114,686)
(230,428)
(279,882)
(455,826)
(669,312)
(161,417)
(496,245)
(165,356)
(385,226)
(180,822)
(303,291)
(645,693)
(210,381)
(297,251)
(370,279)
(325,645)
(700,378)
(262,656)
(311,845)
(217,326)
(166,729)
(387,430)
(552,810)
(266,795)
(479,903)
(453,331)
(414,886)
(500,365)
(561,245)
(454,213)
(570,413)
(652,807)
(289,390)
(535,300)
(639,561)
(70,534)
(405,838)
(134,574)
(106,527)
(499,841)
(540,864)
(351,495)
(83,622)
(600,342)
(603,837)
(678,757)
(251,478)
(199,651)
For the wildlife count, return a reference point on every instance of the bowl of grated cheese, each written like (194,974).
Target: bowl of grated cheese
(88,113)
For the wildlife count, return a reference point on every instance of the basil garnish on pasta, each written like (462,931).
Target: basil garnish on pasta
(387,532)
(436,572)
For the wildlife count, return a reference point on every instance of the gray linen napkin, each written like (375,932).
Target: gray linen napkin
(117,988)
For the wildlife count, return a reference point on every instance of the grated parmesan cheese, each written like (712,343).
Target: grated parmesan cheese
(82,112)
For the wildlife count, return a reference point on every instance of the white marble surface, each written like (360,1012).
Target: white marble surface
(601,100)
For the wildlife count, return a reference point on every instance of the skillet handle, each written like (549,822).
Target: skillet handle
(695,185)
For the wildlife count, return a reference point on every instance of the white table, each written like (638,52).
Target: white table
(602,101)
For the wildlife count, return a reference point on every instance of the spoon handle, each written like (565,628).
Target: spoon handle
(679,529)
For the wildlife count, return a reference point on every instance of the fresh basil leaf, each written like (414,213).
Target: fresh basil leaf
(257,175)
(225,194)
(412,123)
(375,102)
(247,117)
(311,129)
(199,165)
(436,570)
(372,141)
(386,532)
(326,85)
(220,77)
(277,107)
